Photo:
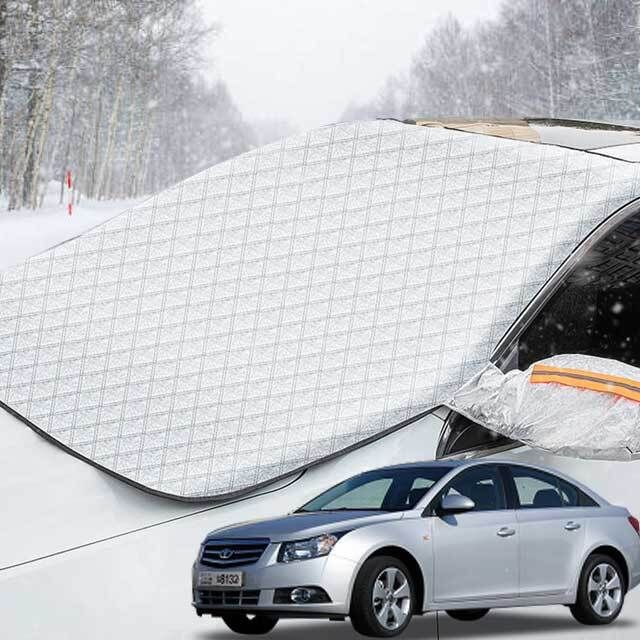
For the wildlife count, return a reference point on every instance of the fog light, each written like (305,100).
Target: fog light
(301,595)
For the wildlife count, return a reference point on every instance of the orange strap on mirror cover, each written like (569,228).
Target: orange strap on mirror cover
(591,380)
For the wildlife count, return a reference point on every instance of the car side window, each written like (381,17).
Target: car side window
(482,484)
(569,494)
(539,490)
(419,487)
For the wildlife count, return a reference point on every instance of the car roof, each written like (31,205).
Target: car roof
(450,465)
(474,462)
(453,463)
(604,138)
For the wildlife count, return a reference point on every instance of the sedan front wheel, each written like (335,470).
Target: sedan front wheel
(383,598)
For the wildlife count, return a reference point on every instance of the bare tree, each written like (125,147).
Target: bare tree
(548,58)
(109,89)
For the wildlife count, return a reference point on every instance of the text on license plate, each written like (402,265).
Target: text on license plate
(220,579)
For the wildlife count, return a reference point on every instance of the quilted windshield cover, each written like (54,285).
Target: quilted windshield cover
(292,302)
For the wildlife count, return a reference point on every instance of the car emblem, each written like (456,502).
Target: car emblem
(225,554)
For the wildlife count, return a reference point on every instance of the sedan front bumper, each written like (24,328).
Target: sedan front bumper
(332,573)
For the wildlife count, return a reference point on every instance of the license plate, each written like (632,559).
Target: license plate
(220,579)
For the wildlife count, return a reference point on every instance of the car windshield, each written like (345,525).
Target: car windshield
(393,489)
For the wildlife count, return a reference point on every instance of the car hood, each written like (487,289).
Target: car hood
(298,526)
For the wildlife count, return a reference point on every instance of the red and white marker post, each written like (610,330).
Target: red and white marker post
(69,184)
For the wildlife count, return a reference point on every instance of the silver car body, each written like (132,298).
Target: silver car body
(464,563)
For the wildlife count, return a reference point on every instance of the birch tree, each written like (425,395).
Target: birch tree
(110,90)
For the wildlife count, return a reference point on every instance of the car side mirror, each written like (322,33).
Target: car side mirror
(450,505)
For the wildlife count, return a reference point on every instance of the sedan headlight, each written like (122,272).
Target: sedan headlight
(307,549)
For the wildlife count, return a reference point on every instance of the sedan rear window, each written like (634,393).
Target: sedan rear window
(538,490)
(395,489)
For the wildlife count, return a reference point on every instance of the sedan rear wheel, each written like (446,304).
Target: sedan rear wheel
(383,598)
(601,591)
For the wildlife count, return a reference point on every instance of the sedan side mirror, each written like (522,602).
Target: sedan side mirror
(455,504)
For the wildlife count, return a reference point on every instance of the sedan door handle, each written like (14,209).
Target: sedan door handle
(506,532)
(572,526)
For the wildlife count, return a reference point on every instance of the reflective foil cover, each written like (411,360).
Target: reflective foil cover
(293,302)
(571,404)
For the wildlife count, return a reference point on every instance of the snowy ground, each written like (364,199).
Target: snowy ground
(26,233)
(118,560)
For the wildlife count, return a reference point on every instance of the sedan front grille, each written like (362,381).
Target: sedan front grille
(225,554)
(228,598)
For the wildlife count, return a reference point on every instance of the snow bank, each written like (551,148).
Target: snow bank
(25,233)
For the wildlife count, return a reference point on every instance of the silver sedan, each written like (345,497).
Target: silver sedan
(463,537)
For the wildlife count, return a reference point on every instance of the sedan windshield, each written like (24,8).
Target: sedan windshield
(393,489)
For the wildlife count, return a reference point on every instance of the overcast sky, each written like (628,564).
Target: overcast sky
(305,60)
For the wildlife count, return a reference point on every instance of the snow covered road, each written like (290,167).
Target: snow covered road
(26,233)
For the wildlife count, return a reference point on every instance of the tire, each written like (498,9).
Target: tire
(253,626)
(383,598)
(595,602)
(467,615)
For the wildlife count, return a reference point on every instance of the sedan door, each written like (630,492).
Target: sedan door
(476,552)
(552,531)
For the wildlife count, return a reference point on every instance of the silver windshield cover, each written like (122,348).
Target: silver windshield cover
(293,302)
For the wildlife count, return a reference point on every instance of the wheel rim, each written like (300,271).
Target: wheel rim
(605,590)
(391,598)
